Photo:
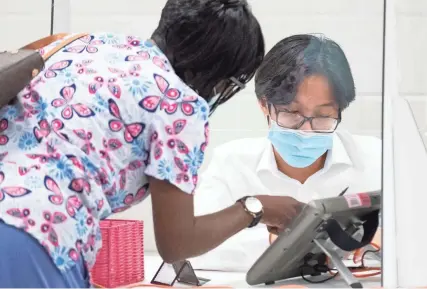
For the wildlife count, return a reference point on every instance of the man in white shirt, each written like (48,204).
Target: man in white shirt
(303,85)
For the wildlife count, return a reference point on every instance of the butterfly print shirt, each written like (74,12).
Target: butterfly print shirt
(79,141)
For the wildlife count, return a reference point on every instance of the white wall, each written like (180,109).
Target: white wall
(23,21)
(412,57)
(355,25)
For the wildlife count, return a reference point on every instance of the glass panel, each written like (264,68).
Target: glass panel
(410,141)
(324,66)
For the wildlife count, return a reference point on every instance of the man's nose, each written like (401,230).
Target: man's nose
(306,126)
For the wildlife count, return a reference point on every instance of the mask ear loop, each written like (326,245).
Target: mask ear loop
(268,109)
(214,98)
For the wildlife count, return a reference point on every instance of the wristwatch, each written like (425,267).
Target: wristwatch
(252,206)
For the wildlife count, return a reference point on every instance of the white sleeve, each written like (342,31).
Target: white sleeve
(213,194)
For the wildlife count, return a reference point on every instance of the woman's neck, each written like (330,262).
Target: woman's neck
(299,174)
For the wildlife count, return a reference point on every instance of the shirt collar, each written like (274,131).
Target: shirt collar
(338,155)
(267,161)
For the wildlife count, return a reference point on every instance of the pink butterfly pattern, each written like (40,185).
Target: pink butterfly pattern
(98,82)
(86,136)
(140,56)
(4,139)
(13,191)
(57,198)
(157,146)
(80,185)
(42,130)
(173,131)
(27,112)
(110,146)
(25,170)
(169,101)
(130,131)
(73,205)
(57,125)
(130,198)
(161,62)
(48,227)
(43,158)
(206,142)
(132,166)
(67,94)
(84,67)
(133,41)
(24,215)
(53,70)
(89,45)
(77,142)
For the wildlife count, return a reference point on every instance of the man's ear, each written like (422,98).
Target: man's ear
(264,108)
(263,105)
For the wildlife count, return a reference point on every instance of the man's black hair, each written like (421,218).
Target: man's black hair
(294,58)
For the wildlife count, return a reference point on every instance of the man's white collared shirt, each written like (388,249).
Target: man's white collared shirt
(247,167)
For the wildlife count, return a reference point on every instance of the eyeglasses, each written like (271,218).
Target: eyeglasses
(227,89)
(293,120)
(230,87)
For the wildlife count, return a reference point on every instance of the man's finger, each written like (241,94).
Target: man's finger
(273,230)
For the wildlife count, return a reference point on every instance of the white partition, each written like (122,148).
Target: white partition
(62,16)
(409,132)
(389,244)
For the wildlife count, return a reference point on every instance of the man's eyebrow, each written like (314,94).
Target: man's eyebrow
(327,104)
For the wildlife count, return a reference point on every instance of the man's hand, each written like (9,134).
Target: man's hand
(279,211)
(377,237)
(376,243)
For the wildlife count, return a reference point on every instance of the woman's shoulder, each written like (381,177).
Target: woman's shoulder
(134,70)
(104,37)
(93,43)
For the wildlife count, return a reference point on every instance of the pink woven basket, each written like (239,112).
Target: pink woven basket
(120,261)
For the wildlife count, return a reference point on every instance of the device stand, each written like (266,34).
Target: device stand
(181,272)
(344,272)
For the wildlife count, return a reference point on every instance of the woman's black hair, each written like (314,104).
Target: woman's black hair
(210,41)
(294,58)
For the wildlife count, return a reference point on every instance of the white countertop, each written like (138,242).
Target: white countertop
(237,279)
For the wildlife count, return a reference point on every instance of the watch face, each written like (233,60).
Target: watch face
(253,205)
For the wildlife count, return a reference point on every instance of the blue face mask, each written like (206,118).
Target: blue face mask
(297,148)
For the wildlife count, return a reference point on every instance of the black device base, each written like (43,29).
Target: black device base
(356,285)
(181,272)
